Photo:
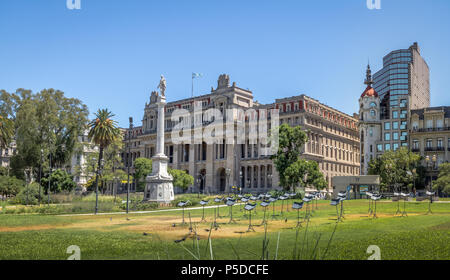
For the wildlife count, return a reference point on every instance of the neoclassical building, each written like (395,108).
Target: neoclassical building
(430,137)
(333,139)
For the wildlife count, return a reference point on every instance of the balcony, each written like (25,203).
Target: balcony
(415,150)
(432,129)
(434,149)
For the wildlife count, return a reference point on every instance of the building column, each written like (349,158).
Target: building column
(209,180)
(263,176)
(192,167)
(275,177)
(175,156)
(250,176)
(230,155)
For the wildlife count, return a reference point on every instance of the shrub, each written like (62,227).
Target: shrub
(29,195)
(193,199)
(101,198)
(136,204)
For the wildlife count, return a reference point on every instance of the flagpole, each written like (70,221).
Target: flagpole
(194,75)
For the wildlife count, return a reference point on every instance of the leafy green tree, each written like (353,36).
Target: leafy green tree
(3,171)
(112,167)
(46,123)
(400,167)
(305,172)
(6,131)
(443,182)
(142,167)
(291,141)
(10,186)
(103,131)
(60,181)
(181,179)
(29,195)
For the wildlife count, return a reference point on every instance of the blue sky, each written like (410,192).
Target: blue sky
(110,54)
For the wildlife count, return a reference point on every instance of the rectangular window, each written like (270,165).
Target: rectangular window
(395,136)
(387,137)
(404,125)
(429,143)
(395,146)
(387,126)
(387,147)
(395,114)
(395,125)
(439,143)
(379,148)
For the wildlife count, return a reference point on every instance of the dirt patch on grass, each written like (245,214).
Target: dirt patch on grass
(444,226)
(27,228)
(164,229)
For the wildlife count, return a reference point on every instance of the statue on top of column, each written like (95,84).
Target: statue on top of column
(162,85)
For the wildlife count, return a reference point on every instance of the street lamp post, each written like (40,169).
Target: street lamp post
(28,181)
(49,178)
(40,176)
(128,162)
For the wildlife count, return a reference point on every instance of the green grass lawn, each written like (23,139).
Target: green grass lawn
(417,236)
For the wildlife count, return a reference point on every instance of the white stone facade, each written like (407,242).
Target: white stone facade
(333,141)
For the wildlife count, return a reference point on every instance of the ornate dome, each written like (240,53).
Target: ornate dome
(369,92)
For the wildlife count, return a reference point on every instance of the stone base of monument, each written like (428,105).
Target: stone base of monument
(159,191)
(159,187)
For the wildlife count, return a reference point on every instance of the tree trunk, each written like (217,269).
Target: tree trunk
(96,178)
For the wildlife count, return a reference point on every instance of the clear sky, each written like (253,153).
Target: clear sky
(110,54)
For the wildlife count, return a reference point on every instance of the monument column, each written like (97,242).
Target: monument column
(159,187)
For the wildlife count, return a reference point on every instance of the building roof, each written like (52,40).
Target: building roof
(369,92)
(421,112)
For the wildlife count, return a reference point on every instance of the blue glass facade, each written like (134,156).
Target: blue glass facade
(392,81)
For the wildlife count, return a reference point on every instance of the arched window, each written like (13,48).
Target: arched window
(373,104)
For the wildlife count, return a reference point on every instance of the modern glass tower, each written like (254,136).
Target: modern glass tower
(403,84)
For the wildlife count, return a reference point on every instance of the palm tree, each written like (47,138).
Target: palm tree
(6,131)
(103,131)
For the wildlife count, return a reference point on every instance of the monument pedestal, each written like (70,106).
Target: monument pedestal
(159,187)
